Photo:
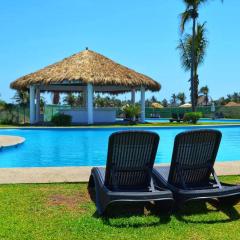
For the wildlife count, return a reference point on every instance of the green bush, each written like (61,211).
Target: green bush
(61,119)
(131,111)
(7,121)
(230,112)
(192,117)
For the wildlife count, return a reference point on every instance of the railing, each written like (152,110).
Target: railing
(20,115)
(227,112)
(17,114)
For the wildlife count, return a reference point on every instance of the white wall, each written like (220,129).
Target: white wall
(100,115)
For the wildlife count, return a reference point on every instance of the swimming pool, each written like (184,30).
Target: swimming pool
(88,147)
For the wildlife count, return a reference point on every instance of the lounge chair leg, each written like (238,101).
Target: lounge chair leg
(91,183)
(100,204)
(179,203)
(165,206)
(229,201)
(96,195)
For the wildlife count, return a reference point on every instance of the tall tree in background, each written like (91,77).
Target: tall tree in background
(205,91)
(56,98)
(79,99)
(165,102)
(174,99)
(181,97)
(191,13)
(70,99)
(153,99)
(185,48)
(22,99)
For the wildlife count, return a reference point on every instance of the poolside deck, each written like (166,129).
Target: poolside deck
(10,141)
(78,174)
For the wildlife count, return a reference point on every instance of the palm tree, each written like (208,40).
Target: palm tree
(22,98)
(56,98)
(205,90)
(2,104)
(153,99)
(9,107)
(165,102)
(79,100)
(99,101)
(70,99)
(235,97)
(191,13)
(185,48)
(174,99)
(181,97)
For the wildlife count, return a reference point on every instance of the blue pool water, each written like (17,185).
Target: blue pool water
(88,147)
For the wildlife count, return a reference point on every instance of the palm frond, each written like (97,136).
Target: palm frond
(200,46)
(185,17)
(185,53)
(191,8)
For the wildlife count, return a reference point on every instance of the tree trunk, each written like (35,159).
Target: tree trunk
(193,67)
(206,99)
(24,114)
(56,98)
(195,85)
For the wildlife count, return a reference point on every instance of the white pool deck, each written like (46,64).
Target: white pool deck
(78,174)
(10,141)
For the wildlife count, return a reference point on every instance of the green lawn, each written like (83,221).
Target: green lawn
(64,211)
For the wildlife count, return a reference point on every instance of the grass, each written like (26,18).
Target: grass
(65,211)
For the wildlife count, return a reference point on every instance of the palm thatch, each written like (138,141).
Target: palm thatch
(232,104)
(87,67)
(156,105)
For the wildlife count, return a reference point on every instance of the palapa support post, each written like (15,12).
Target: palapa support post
(133,96)
(142,104)
(37,104)
(32,104)
(90,103)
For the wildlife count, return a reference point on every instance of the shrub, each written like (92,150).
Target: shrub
(192,117)
(131,111)
(7,121)
(61,119)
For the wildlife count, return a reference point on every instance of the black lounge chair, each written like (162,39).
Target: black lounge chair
(180,117)
(128,173)
(221,115)
(174,118)
(189,176)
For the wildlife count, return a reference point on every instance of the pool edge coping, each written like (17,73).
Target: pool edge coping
(80,174)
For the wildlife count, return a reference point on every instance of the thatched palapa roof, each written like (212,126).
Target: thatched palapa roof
(232,104)
(156,105)
(87,67)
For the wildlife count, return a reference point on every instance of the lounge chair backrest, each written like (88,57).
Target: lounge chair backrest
(131,155)
(174,116)
(181,116)
(193,157)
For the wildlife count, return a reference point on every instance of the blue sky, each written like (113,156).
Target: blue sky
(141,34)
